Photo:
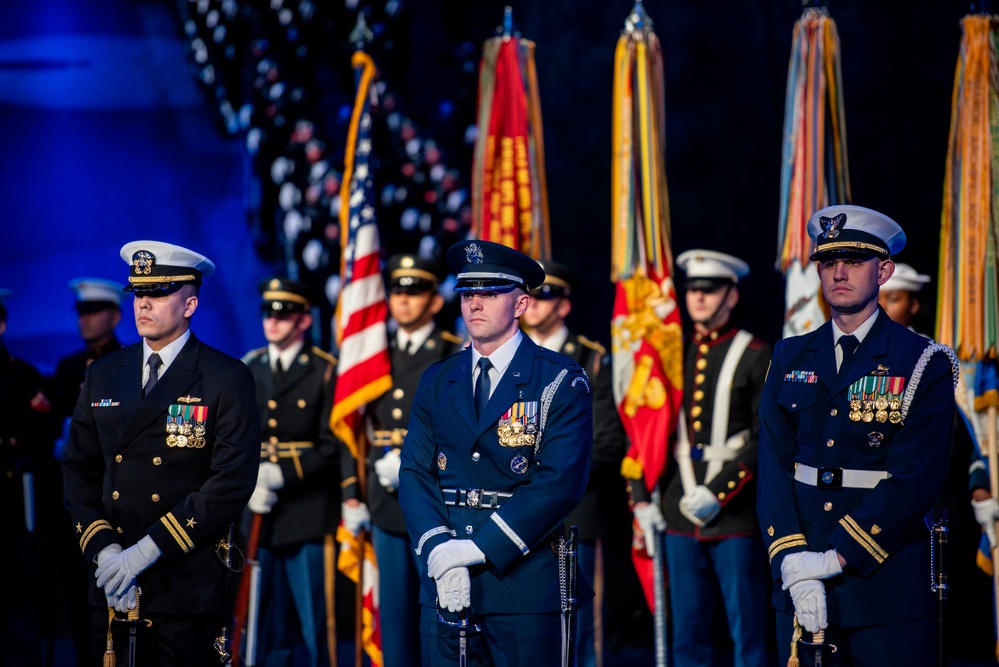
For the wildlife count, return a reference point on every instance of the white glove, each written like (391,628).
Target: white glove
(269,476)
(387,469)
(986,513)
(454,590)
(809,597)
(355,518)
(700,506)
(649,519)
(452,554)
(809,565)
(262,500)
(125,602)
(117,573)
(105,553)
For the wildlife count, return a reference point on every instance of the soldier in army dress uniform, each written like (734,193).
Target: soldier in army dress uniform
(603,512)
(162,457)
(489,474)
(414,301)
(855,431)
(713,548)
(24,448)
(295,500)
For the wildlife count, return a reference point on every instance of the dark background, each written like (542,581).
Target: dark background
(106,139)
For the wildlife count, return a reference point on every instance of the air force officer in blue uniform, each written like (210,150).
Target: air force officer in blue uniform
(162,456)
(855,429)
(484,490)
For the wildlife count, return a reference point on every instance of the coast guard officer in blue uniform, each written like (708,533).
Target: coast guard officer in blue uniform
(485,485)
(855,428)
(162,456)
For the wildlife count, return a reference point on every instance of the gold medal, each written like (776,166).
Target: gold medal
(881,403)
(171,440)
(895,417)
(855,415)
(881,416)
(855,404)
(869,406)
(182,441)
(867,416)
(199,442)
(895,405)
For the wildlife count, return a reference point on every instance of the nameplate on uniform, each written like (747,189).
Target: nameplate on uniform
(876,398)
(808,377)
(518,427)
(185,425)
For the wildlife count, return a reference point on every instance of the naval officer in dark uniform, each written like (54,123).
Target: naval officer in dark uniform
(485,484)
(162,457)
(713,548)
(603,512)
(414,300)
(856,419)
(296,496)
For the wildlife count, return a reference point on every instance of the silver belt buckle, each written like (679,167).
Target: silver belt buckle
(473,498)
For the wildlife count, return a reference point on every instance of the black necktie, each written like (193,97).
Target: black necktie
(278,368)
(154,363)
(849,343)
(482,386)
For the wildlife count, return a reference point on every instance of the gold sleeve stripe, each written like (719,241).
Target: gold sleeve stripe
(177,531)
(786,542)
(92,530)
(862,538)
(347,482)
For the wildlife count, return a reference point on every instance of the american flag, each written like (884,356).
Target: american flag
(363,371)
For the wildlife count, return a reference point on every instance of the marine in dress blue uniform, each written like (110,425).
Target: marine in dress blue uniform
(484,495)
(713,549)
(604,507)
(853,453)
(152,482)
(412,283)
(296,494)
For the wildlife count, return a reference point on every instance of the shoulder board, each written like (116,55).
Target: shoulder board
(452,338)
(563,360)
(253,354)
(323,354)
(592,344)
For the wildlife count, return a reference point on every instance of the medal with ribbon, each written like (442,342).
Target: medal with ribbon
(518,427)
(172,425)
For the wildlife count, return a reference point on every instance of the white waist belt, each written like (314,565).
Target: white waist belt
(836,478)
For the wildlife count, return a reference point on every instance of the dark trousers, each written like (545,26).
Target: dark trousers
(914,642)
(399,603)
(169,641)
(499,640)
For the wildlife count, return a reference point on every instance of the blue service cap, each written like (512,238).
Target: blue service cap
(484,266)
(845,229)
(158,269)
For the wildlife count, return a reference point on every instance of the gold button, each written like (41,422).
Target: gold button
(157,461)
(827,506)
(703,348)
(697,426)
(273,440)
(698,395)
(830,442)
(398,393)
(702,364)
(721,496)
(301,403)
(696,411)
(731,485)
(396,413)
(272,422)
(117,458)
(272,404)
(120,530)
(699,378)
(114,495)
(155,497)
(833,412)
(742,474)
(770,531)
